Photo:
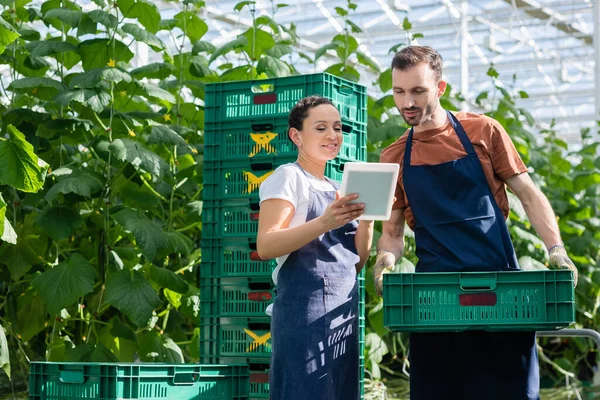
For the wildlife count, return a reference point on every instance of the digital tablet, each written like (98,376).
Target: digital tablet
(375,184)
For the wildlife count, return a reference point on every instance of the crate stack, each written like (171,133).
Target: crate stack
(245,140)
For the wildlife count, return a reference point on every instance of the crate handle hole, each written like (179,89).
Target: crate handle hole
(263,88)
(262,127)
(346,90)
(185,378)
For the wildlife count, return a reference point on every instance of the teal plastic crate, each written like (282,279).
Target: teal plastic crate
(268,137)
(112,381)
(244,339)
(491,301)
(235,297)
(226,180)
(230,218)
(275,97)
(236,257)
(259,383)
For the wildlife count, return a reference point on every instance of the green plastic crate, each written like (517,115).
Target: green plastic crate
(267,137)
(224,180)
(492,301)
(235,297)
(259,383)
(230,218)
(275,97)
(246,339)
(223,258)
(112,381)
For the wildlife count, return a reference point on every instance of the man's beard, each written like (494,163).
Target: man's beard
(420,116)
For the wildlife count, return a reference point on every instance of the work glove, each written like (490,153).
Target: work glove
(383,264)
(560,260)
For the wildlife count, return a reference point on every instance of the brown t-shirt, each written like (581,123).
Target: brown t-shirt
(495,150)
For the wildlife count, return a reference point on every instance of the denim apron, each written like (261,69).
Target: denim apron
(459,227)
(314,326)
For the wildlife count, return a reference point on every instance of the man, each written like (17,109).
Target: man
(451,190)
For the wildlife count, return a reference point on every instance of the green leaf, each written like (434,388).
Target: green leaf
(2,214)
(203,47)
(43,88)
(30,35)
(144,11)
(162,134)
(166,278)
(104,18)
(120,330)
(355,28)
(237,43)
(199,67)
(270,22)
(173,298)
(96,53)
(190,304)
(348,45)
(179,243)
(279,50)
(96,99)
(59,222)
(341,12)
(92,78)
(191,24)
(258,42)
(79,182)
(194,346)
(155,347)
(66,16)
(31,317)
(19,258)
(585,179)
(8,34)
(144,36)
(152,90)
(68,59)
(273,67)
(130,293)
(20,167)
(344,71)
(148,236)
(406,25)
(85,352)
(62,285)
(385,80)
(492,72)
(367,61)
(87,26)
(323,49)
(44,48)
(167,24)
(376,347)
(153,71)
(242,4)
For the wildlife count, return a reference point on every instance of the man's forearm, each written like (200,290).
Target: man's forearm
(391,244)
(542,218)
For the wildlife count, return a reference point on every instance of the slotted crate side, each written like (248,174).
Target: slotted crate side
(268,137)
(104,381)
(275,97)
(224,181)
(361,331)
(233,258)
(493,301)
(235,297)
(247,338)
(230,218)
(259,383)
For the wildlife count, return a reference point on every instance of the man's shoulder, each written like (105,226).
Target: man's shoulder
(394,151)
(481,120)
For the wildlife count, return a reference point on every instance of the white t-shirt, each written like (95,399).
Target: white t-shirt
(289,182)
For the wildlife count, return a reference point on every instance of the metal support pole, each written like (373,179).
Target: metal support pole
(573,333)
(597,61)
(464,49)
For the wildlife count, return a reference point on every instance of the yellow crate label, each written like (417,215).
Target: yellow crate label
(255,181)
(262,141)
(257,340)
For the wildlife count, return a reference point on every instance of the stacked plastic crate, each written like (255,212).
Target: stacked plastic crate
(245,139)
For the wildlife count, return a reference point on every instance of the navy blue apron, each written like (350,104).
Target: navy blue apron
(459,227)
(314,326)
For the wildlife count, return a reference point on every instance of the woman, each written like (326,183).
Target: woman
(319,249)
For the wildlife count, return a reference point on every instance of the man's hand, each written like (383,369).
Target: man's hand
(560,260)
(384,264)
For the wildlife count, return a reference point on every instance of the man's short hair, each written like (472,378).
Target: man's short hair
(411,56)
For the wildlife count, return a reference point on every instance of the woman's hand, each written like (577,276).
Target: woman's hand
(339,213)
